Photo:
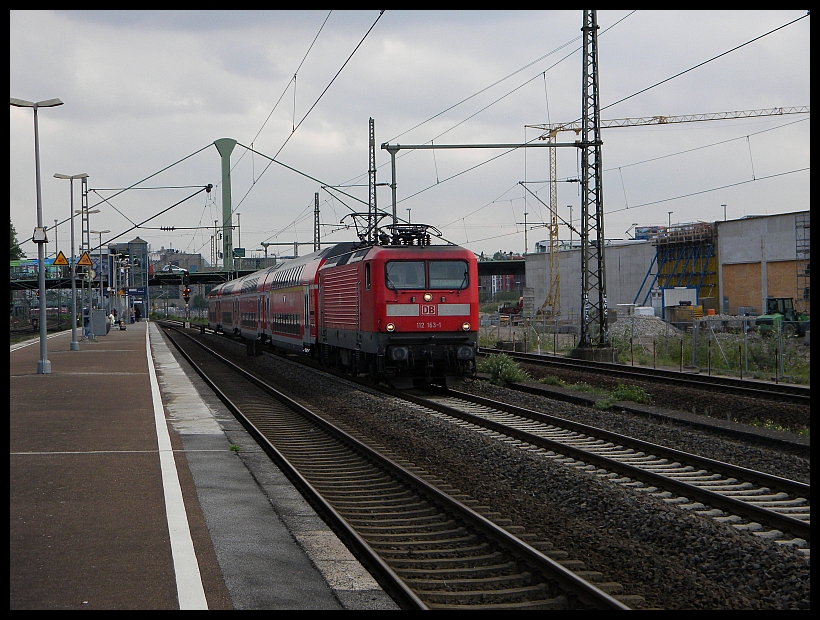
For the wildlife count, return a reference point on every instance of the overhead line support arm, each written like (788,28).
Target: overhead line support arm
(395,148)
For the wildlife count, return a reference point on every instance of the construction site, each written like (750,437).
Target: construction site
(682,272)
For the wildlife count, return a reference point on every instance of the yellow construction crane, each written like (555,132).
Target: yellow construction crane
(552,304)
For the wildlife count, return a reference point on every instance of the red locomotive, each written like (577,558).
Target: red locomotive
(402,310)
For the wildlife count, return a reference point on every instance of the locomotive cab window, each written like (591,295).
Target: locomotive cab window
(367,276)
(404,274)
(450,274)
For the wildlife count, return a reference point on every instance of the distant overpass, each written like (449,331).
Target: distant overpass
(485,268)
(501,267)
(158,279)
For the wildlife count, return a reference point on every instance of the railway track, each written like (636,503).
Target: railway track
(766,505)
(727,385)
(425,543)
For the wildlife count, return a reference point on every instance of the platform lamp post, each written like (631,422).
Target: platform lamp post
(100,233)
(75,346)
(40,238)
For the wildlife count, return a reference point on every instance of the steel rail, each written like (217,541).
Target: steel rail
(795,526)
(586,592)
(397,587)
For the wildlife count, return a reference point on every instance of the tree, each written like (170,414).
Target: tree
(16,252)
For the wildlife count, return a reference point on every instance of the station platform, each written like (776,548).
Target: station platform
(132,487)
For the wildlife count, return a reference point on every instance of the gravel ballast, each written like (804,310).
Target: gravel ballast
(673,558)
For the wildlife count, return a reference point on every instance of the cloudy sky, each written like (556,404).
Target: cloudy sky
(144,90)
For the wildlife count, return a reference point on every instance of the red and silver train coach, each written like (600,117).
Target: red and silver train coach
(396,311)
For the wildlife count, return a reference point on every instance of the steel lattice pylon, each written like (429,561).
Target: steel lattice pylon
(317,233)
(594,327)
(373,219)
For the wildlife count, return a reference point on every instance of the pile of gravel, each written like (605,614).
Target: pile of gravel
(674,559)
(641,327)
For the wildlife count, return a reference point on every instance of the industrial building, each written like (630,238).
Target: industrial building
(729,266)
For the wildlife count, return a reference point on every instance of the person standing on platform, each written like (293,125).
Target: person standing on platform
(86,324)
(137,314)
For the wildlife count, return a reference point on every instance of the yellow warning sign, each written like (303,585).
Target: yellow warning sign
(60,260)
(84,260)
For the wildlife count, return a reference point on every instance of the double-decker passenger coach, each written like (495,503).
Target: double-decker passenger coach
(402,310)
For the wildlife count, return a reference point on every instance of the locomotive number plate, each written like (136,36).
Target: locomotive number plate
(428,325)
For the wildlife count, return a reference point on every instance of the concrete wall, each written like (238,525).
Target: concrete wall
(627,263)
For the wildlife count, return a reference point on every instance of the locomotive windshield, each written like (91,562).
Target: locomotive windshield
(404,274)
(450,274)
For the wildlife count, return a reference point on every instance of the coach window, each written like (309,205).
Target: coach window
(367,276)
(404,274)
(451,274)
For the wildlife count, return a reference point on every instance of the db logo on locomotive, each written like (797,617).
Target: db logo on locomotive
(428,310)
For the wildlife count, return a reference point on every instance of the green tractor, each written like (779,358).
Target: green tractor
(780,313)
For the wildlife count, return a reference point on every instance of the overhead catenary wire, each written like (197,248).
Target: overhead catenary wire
(293,80)
(176,204)
(155,174)
(309,111)
(133,186)
(484,108)
(439,180)
(319,98)
(519,70)
(284,92)
(751,159)
(614,103)
(705,191)
(115,208)
(560,47)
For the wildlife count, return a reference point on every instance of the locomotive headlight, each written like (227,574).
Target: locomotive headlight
(465,326)
(428,297)
(390,327)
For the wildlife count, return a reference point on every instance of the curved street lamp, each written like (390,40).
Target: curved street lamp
(40,238)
